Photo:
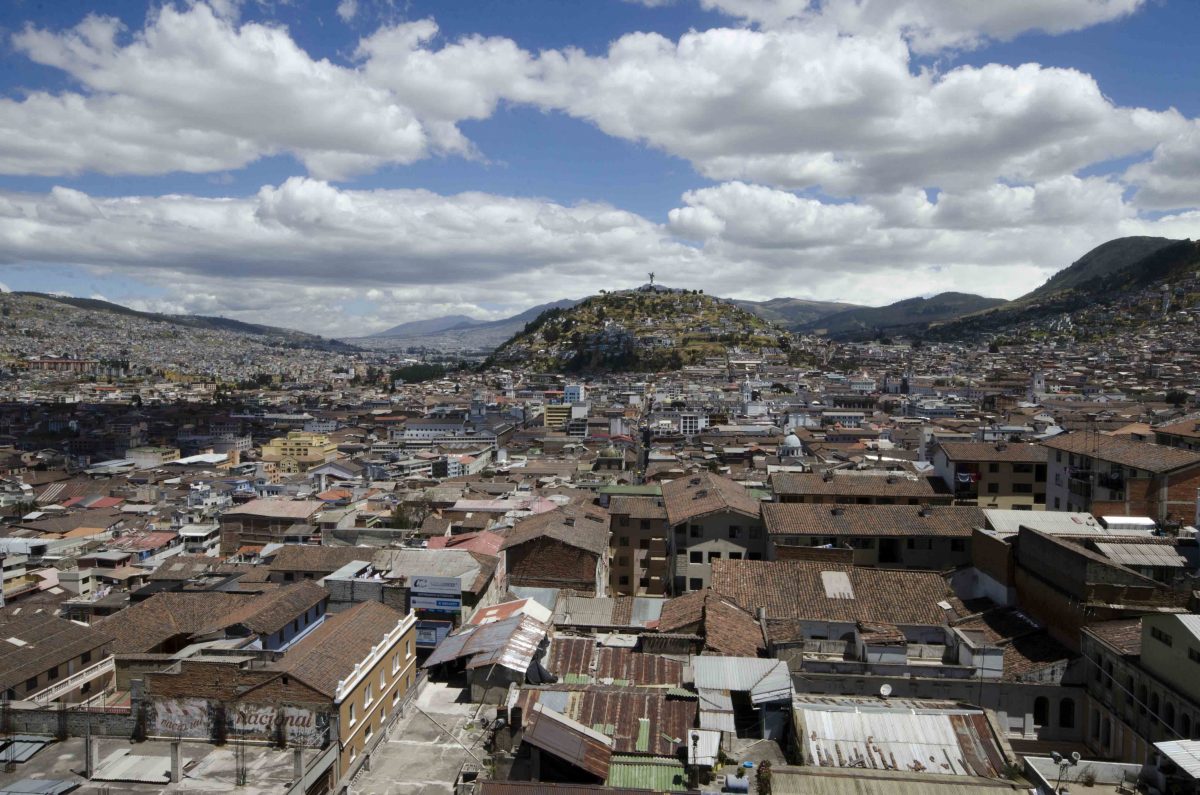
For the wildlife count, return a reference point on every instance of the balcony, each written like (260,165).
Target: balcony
(73,682)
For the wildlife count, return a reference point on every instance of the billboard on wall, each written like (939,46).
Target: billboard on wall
(438,604)
(302,726)
(182,717)
(193,718)
(436,586)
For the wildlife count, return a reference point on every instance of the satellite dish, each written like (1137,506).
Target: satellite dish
(885,690)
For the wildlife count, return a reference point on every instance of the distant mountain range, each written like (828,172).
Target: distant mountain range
(455,332)
(290,337)
(794,313)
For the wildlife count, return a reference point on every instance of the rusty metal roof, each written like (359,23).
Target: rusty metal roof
(638,720)
(569,740)
(511,643)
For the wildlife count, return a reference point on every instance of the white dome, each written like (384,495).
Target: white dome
(792,440)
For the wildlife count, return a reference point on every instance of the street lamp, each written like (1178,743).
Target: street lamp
(1063,764)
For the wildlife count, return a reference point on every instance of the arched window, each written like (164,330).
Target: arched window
(1185,727)
(1169,714)
(1106,733)
(1066,713)
(1154,704)
(1141,696)
(1041,711)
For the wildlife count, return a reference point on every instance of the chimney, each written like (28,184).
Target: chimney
(837,510)
(176,761)
(925,511)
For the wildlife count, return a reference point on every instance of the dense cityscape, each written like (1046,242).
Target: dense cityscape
(623,397)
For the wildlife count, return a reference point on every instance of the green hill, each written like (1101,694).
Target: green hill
(912,315)
(1090,283)
(1102,261)
(640,330)
(289,337)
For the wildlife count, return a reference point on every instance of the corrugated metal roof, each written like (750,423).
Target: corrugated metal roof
(764,680)
(639,772)
(22,748)
(1184,753)
(546,597)
(951,742)
(1143,555)
(38,786)
(1009,522)
(645,609)
(815,781)
(569,740)
(716,710)
(706,748)
(511,643)
(121,765)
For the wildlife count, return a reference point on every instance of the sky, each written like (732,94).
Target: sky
(341,166)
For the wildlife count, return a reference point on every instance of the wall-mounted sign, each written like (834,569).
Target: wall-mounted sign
(439,604)
(427,586)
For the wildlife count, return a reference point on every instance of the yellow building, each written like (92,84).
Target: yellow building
(299,452)
(369,655)
(556,415)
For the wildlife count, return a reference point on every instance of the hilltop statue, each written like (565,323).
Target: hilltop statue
(651,275)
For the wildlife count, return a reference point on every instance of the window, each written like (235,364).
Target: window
(1022,488)
(735,531)
(1193,655)
(644,582)
(382,681)
(623,541)
(353,715)
(1066,713)
(993,467)
(754,555)
(1056,504)
(993,488)
(52,674)
(624,521)
(1058,456)
(408,652)
(695,556)
(395,663)
(958,545)
(920,543)
(367,696)
(756,532)
(645,524)
(395,697)
(735,555)
(1041,711)
(644,543)
(714,556)
(87,657)
(695,584)
(694,531)
(1160,636)
(1022,469)
(623,579)
(31,684)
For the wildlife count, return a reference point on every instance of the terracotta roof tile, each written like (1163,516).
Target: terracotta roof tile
(834,592)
